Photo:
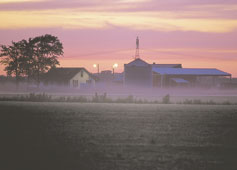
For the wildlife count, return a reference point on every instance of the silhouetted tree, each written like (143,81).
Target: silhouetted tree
(47,49)
(11,57)
(28,58)
(31,58)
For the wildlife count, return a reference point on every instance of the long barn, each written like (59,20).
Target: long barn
(140,73)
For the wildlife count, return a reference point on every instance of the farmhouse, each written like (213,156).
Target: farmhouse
(69,77)
(140,73)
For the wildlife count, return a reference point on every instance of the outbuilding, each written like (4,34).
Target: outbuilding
(69,77)
(193,77)
(140,73)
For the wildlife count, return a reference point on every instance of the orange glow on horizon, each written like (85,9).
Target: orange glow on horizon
(226,66)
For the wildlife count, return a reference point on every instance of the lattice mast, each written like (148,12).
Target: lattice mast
(137,55)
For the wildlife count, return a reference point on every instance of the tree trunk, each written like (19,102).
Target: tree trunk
(17,81)
(28,75)
(17,75)
(28,80)
(38,77)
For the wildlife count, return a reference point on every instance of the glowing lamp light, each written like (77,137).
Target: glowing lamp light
(115,65)
(98,67)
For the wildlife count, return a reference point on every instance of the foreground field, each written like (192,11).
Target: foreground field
(72,136)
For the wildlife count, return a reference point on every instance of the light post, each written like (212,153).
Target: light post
(98,68)
(114,66)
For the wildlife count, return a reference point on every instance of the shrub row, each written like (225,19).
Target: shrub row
(42,97)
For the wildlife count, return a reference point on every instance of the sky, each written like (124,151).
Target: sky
(194,33)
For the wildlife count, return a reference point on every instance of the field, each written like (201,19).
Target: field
(89,136)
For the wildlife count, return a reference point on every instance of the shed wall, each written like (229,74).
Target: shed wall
(81,79)
(138,76)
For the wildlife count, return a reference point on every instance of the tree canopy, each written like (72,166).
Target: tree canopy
(31,57)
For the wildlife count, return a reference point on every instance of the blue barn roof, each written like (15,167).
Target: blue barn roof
(190,71)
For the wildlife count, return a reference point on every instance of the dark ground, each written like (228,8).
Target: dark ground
(71,136)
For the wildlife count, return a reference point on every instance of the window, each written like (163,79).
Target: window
(75,83)
(81,73)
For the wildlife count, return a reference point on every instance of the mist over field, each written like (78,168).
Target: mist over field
(115,91)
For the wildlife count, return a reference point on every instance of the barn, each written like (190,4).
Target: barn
(69,77)
(140,73)
(192,77)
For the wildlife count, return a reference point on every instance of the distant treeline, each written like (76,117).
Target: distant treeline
(31,58)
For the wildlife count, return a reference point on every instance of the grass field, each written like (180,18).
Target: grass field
(71,136)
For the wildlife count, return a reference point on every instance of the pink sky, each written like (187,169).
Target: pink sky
(195,33)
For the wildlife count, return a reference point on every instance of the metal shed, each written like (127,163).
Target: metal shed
(163,76)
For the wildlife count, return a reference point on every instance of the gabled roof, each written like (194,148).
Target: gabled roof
(140,62)
(167,65)
(137,62)
(62,74)
(190,71)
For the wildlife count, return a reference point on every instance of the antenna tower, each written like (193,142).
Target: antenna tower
(137,55)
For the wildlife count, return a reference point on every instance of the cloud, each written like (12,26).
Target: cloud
(137,5)
(77,19)
(18,1)
(133,1)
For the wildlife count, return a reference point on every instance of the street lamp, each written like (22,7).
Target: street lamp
(115,66)
(98,68)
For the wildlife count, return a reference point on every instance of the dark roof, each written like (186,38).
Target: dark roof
(167,65)
(137,62)
(62,74)
(118,77)
(190,71)
(140,62)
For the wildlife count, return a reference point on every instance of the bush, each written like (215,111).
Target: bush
(226,103)
(61,99)
(211,102)
(37,97)
(197,101)
(139,101)
(101,98)
(187,101)
(81,99)
(129,99)
(95,98)
(166,99)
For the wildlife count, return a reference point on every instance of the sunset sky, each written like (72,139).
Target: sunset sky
(195,33)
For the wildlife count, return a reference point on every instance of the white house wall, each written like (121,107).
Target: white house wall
(79,78)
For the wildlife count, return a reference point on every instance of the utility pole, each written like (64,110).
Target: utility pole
(137,55)
(98,68)
(114,66)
